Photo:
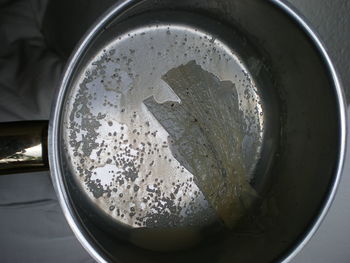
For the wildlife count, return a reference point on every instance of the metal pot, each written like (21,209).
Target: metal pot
(209,131)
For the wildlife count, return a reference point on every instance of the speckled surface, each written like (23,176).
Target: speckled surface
(38,230)
(142,138)
(330,19)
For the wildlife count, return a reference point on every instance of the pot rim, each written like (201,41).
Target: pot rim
(53,134)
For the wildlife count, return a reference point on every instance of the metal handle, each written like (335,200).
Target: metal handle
(23,147)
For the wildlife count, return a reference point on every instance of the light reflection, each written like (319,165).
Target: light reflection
(33,153)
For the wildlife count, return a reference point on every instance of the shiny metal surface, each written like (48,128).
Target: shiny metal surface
(311,145)
(121,153)
(23,147)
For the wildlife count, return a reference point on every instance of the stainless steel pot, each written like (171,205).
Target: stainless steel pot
(192,130)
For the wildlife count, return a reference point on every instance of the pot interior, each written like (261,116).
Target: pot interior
(285,98)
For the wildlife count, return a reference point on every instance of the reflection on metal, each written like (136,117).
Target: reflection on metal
(33,153)
(23,147)
(92,239)
(120,152)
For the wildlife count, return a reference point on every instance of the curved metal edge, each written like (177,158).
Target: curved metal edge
(54,126)
(302,22)
(56,110)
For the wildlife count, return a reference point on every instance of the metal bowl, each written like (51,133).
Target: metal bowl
(279,123)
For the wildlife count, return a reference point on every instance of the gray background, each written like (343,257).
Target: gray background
(32,227)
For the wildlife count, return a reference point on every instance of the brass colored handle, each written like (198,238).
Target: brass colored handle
(23,147)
